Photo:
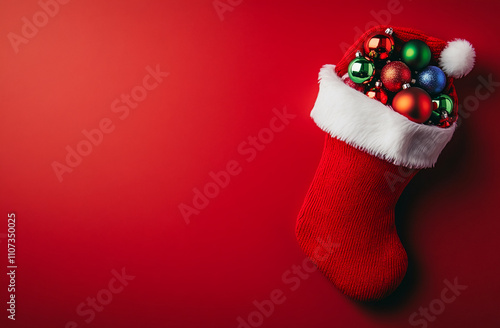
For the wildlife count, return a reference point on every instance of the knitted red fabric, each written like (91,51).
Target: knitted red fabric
(351,203)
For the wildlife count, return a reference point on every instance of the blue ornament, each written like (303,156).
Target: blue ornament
(431,79)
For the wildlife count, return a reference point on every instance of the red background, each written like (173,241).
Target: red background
(119,207)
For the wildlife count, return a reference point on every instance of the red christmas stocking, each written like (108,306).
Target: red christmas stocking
(370,153)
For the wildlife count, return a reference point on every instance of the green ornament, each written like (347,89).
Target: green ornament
(442,107)
(416,54)
(443,102)
(361,70)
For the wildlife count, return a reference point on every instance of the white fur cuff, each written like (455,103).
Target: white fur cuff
(367,124)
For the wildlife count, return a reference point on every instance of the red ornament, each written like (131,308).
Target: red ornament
(377,93)
(349,82)
(445,120)
(394,75)
(379,46)
(413,103)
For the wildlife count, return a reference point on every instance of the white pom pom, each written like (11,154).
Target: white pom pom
(457,58)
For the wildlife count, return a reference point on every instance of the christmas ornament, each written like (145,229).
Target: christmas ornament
(442,110)
(413,103)
(443,103)
(379,46)
(416,54)
(361,70)
(394,75)
(349,82)
(440,118)
(431,79)
(445,120)
(378,93)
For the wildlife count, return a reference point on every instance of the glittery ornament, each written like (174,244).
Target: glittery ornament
(431,79)
(394,75)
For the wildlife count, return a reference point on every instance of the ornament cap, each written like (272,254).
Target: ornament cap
(389,31)
(378,84)
(359,54)
(406,86)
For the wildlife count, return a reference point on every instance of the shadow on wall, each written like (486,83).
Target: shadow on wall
(451,164)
